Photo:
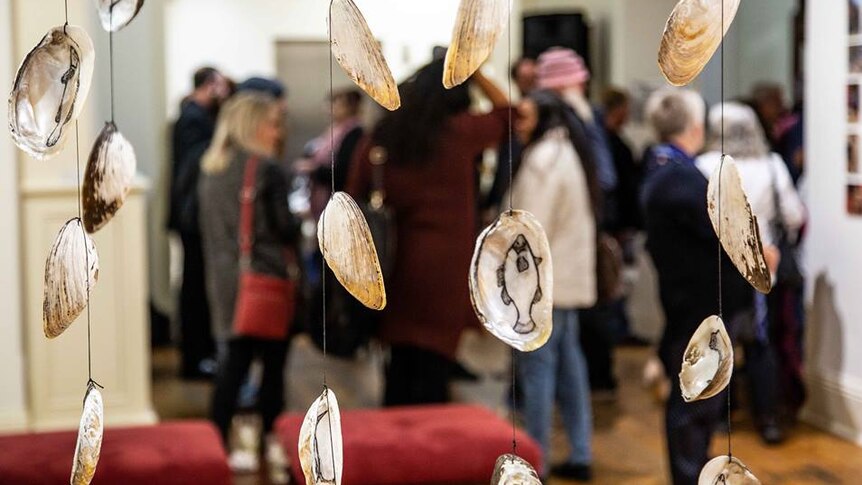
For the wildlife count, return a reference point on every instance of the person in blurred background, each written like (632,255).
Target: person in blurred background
(250,125)
(191,136)
(524,75)
(563,71)
(780,214)
(682,244)
(337,142)
(553,184)
(430,144)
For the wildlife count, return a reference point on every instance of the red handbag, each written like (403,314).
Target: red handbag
(265,304)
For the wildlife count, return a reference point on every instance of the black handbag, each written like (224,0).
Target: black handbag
(789,272)
(380,217)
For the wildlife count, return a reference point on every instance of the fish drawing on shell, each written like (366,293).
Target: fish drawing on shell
(521,265)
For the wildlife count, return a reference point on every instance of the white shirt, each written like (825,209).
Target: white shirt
(552,185)
(758,176)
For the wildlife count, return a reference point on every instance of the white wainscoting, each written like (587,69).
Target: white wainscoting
(57,369)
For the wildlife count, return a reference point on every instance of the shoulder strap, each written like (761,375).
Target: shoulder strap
(247,196)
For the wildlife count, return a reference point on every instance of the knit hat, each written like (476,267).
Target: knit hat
(272,87)
(560,67)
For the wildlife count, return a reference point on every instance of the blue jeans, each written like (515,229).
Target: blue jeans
(558,372)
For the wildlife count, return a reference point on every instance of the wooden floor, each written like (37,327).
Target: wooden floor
(628,442)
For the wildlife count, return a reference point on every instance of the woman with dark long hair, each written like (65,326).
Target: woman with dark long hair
(560,188)
(431,145)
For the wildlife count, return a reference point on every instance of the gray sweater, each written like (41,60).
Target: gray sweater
(275,229)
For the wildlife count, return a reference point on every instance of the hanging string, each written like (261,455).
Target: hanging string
(720,169)
(511,187)
(511,143)
(323,241)
(111,56)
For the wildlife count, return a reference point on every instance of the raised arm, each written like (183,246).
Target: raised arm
(496,95)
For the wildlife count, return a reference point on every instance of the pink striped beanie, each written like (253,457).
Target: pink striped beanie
(560,67)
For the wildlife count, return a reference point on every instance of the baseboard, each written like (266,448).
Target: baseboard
(13,420)
(835,405)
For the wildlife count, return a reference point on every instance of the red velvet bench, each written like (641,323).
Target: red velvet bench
(453,444)
(177,453)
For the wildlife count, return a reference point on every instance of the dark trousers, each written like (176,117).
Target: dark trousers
(598,337)
(416,376)
(688,426)
(196,341)
(232,372)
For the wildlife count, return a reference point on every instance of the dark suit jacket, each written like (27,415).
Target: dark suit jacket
(191,137)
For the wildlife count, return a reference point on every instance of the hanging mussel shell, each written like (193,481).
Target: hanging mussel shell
(477,28)
(514,470)
(72,263)
(116,14)
(50,89)
(739,234)
(691,36)
(320,444)
(108,177)
(358,52)
(708,361)
(511,281)
(348,248)
(89,443)
(724,470)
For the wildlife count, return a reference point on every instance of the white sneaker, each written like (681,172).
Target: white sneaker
(277,461)
(243,462)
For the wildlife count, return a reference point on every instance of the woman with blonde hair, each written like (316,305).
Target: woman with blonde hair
(246,228)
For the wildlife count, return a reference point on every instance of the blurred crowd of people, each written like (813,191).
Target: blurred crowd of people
(421,166)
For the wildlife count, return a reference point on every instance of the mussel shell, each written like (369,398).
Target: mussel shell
(320,442)
(724,470)
(511,281)
(116,14)
(691,36)
(739,232)
(708,361)
(89,443)
(358,52)
(107,178)
(72,263)
(513,470)
(348,248)
(477,28)
(50,89)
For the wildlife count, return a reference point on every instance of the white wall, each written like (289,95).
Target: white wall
(201,32)
(833,256)
(12,398)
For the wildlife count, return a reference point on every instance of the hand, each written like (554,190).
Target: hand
(772,256)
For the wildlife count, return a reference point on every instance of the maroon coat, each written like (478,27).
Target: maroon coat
(428,302)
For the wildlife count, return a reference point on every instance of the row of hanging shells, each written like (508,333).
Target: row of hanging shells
(694,31)
(48,95)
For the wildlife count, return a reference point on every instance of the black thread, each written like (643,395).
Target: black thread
(511,208)
(720,169)
(111,59)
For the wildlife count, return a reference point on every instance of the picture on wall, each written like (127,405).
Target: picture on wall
(855,8)
(853,153)
(852,103)
(856,59)
(854,200)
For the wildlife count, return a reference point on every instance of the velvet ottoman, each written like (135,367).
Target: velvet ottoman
(167,454)
(454,444)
